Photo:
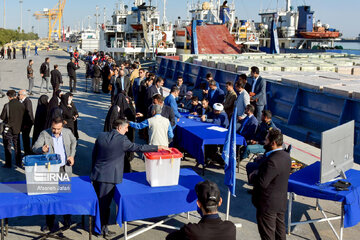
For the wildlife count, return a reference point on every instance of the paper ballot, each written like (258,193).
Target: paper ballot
(216,128)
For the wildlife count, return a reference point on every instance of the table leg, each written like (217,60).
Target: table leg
(83,221)
(290,195)
(6,226)
(188,215)
(2,229)
(317,205)
(342,221)
(125,230)
(90,227)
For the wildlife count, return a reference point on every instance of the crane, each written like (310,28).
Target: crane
(54,16)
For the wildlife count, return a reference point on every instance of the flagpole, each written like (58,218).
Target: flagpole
(228,205)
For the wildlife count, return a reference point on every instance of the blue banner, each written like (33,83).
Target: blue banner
(229,155)
(274,41)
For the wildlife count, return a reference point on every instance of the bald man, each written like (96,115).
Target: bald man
(28,121)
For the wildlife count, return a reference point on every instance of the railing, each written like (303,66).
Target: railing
(299,112)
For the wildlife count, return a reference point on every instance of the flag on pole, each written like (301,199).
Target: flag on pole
(274,40)
(229,155)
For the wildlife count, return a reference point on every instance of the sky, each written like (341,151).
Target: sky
(343,15)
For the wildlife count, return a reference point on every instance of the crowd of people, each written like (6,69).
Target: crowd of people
(138,102)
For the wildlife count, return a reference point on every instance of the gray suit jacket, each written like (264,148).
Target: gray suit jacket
(45,138)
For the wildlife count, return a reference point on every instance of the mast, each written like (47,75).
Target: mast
(288,5)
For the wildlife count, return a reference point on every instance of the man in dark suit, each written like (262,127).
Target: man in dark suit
(71,69)
(166,111)
(210,227)
(182,87)
(270,188)
(56,78)
(248,125)
(243,79)
(45,74)
(28,121)
(12,114)
(123,84)
(258,92)
(154,89)
(215,94)
(108,166)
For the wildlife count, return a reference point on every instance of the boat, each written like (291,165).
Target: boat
(297,29)
(137,33)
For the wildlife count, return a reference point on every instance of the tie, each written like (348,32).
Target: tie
(244,123)
(122,83)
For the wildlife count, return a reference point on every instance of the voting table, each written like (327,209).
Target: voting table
(192,135)
(82,200)
(305,182)
(137,200)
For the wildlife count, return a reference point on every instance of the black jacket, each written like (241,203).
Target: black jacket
(166,112)
(16,111)
(56,78)
(209,228)
(28,119)
(71,69)
(108,156)
(45,69)
(150,92)
(271,183)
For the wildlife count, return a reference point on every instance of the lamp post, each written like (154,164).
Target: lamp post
(29,20)
(4,22)
(21,1)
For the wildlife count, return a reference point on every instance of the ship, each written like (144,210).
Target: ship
(137,33)
(297,29)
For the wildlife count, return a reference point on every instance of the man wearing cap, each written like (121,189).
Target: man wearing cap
(218,116)
(185,102)
(210,227)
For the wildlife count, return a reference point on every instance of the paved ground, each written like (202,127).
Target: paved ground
(93,109)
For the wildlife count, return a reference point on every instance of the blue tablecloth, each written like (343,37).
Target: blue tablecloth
(306,183)
(193,135)
(81,201)
(136,199)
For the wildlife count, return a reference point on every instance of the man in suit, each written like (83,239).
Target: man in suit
(71,69)
(56,78)
(258,92)
(28,121)
(96,77)
(230,98)
(270,188)
(215,94)
(108,166)
(248,126)
(137,83)
(210,227)
(12,114)
(155,89)
(57,140)
(243,99)
(182,87)
(171,101)
(166,111)
(256,145)
(123,84)
(45,74)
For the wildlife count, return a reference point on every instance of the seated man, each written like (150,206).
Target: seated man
(248,126)
(211,227)
(182,87)
(160,130)
(196,108)
(218,116)
(205,107)
(186,101)
(256,145)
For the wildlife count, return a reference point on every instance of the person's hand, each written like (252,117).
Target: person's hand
(203,118)
(65,122)
(240,118)
(45,148)
(252,94)
(160,148)
(71,161)
(138,115)
(178,119)
(253,142)
(41,74)
(182,105)
(205,91)
(194,113)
